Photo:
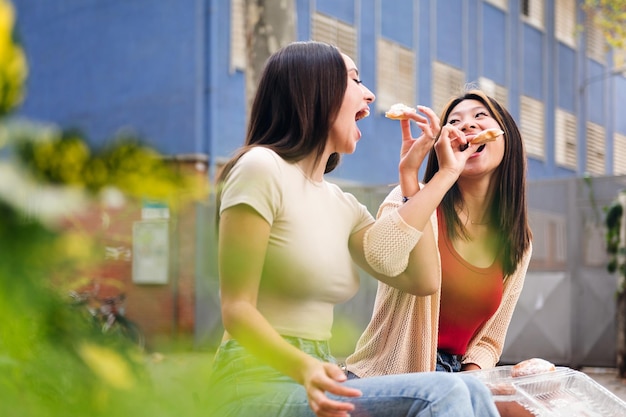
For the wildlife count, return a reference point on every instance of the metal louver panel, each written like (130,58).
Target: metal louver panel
(595,149)
(395,75)
(565,22)
(619,154)
(532,126)
(596,45)
(237,36)
(565,139)
(331,30)
(502,4)
(533,12)
(448,82)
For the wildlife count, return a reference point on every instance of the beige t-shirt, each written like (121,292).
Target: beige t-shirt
(308,268)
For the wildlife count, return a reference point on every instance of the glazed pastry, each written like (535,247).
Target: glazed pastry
(532,367)
(488,135)
(399,111)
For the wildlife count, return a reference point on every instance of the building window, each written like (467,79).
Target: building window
(565,139)
(532,12)
(395,75)
(335,32)
(502,4)
(595,149)
(497,91)
(596,43)
(448,82)
(565,22)
(619,154)
(532,126)
(237,35)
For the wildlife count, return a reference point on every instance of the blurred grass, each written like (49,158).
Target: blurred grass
(180,380)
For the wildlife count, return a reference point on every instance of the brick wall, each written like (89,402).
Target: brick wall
(164,311)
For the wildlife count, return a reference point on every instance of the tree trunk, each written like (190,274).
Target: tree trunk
(270,25)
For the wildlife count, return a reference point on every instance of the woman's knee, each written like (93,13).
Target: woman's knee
(473,383)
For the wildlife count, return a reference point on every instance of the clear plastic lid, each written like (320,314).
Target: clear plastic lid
(569,394)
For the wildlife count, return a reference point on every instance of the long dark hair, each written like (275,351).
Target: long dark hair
(509,209)
(298,97)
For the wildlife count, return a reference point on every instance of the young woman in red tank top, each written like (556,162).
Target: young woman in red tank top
(479,242)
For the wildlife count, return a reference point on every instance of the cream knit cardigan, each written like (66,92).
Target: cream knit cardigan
(403,331)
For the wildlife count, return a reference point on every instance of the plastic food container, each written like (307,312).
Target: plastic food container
(501,383)
(568,394)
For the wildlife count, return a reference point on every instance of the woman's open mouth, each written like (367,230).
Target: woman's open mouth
(362,114)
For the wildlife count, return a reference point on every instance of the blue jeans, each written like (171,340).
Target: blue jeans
(242,386)
(447,362)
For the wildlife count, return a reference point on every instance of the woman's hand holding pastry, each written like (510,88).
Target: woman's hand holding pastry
(322,377)
(413,151)
(453,150)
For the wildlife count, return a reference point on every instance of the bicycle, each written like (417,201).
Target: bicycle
(107,314)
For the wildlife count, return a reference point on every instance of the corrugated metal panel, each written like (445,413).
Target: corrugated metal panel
(549,240)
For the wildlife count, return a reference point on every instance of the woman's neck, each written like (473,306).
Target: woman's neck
(312,170)
(477,200)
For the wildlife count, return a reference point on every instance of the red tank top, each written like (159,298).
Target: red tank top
(469,295)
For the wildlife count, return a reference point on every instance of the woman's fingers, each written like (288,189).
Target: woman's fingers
(433,120)
(330,380)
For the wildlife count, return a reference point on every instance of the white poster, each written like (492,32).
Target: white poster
(150,251)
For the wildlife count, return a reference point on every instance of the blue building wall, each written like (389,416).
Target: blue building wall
(163,69)
(102,66)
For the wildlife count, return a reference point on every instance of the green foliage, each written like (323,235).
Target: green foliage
(613,224)
(610,16)
(52,363)
(615,252)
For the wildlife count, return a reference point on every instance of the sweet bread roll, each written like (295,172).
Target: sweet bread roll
(532,366)
(501,388)
(399,111)
(488,135)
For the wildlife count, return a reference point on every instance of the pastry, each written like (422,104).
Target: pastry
(399,111)
(488,135)
(531,366)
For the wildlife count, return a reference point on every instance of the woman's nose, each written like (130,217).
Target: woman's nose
(467,124)
(369,96)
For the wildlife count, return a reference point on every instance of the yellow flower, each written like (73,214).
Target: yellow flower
(7,20)
(13,66)
(108,365)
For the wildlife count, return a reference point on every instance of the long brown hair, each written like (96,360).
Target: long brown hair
(509,209)
(299,96)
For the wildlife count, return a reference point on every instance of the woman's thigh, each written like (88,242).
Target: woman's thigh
(421,394)
(275,399)
(407,395)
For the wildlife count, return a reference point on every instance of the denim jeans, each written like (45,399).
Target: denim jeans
(242,386)
(447,362)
